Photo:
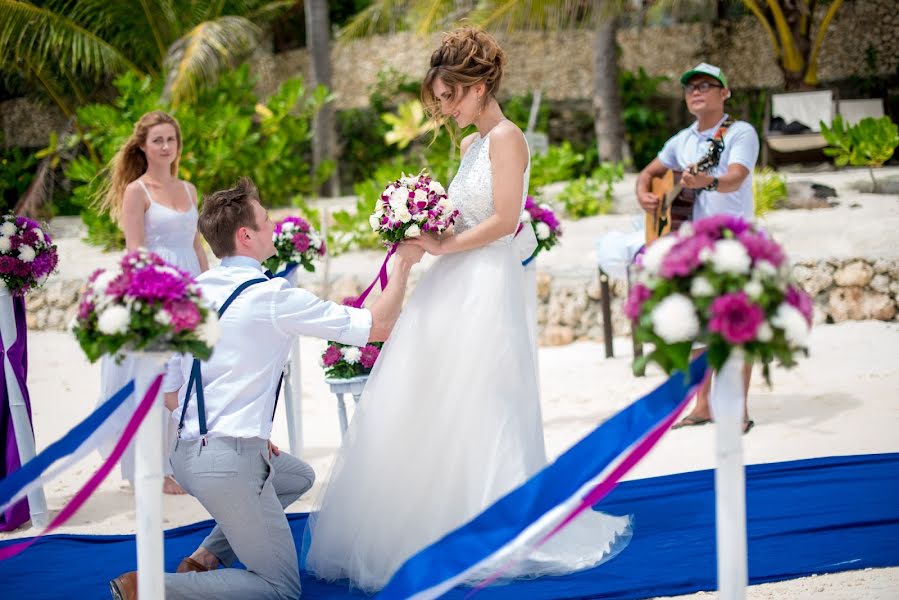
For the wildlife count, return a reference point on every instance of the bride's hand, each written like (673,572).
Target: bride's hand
(428,242)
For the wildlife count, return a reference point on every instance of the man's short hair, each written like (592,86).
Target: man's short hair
(226,211)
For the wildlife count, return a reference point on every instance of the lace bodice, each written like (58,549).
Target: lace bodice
(472,188)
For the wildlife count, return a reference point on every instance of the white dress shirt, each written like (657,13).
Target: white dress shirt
(741,146)
(241,377)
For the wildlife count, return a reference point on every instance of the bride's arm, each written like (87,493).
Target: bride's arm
(508,160)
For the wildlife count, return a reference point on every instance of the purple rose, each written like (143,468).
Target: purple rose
(801,301)
(369,356)
(683,258)
(735,317)
(634,303)
(331,356)
(185,315)
(300,242)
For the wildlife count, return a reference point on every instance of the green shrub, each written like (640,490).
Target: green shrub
(17,168)
(769,188)
(869,143)
(589,196)
(646,128)
(557,164)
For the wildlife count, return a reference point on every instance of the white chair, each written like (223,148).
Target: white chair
(808,108)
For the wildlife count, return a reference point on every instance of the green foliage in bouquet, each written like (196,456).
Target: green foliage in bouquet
(869,143)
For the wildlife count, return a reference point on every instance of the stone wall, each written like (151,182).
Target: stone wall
(569,308)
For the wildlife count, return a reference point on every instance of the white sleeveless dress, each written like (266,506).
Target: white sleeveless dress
(450,419)
(169,233)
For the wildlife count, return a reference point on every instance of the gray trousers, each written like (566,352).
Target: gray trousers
(246,493)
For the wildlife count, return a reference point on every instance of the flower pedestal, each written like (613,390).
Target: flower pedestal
(37,501)
(293,390)
(148,480)
(730,484)
(341,387)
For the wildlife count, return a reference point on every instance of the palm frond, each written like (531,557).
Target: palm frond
(433,15)
(381,16)
(270,10)
(45,37)
(205,51)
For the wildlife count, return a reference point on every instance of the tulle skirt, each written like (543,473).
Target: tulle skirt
(448,423)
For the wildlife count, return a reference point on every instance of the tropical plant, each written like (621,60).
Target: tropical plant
(407,125)
(16,172)
(869,143)
(769,188)
(558,163)
(646,127)
(589,196)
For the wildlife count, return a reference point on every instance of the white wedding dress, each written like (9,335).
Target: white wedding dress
(449,421)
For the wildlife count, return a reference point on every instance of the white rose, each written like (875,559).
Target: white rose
(402,214)
(163,317)
(420,217)
(674,319)
(380,205)
(652,260)
(794,325)
(414,231)
(765,333)
(26,253)
(351,354)
(5,244)
(113,320)
(525,216)
(729,256)
(754,289)
(421,196)
(8,228)
(408,180)
(398,199)
(209,331)
(543,231)
(437,188)
(375,222)
(701,287)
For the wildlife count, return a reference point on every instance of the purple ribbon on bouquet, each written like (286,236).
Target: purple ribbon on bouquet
(381,276)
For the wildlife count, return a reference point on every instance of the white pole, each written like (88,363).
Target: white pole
(293,391)
(730,484)
(148,478)
(37,502)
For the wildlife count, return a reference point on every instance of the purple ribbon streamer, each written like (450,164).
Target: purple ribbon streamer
(18,513)
(381,276)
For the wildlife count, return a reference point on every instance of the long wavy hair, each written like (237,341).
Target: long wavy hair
(130,162)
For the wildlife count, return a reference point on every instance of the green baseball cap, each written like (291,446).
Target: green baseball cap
(704,69)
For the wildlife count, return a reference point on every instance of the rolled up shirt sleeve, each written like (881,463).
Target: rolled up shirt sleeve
(295,311)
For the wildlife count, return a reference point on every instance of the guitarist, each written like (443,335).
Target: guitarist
(726,188)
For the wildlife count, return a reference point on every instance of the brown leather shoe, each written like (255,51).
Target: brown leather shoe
(188,564)
(124,587)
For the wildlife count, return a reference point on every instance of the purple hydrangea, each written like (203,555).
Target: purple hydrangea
(735,317)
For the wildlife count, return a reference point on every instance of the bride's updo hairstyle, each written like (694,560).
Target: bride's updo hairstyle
(466,56)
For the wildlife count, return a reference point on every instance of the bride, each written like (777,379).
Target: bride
(449,421)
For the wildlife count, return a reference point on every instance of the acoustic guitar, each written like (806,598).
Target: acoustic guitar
(676,202)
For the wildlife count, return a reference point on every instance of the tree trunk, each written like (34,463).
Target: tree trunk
(318,40)
(606,95)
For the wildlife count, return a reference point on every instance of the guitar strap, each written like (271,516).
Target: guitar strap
(718,139)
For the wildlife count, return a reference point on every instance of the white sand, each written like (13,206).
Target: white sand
(840,401)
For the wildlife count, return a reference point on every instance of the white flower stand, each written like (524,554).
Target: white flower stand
(341,387)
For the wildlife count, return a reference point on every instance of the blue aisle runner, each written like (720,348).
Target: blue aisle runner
(809,516)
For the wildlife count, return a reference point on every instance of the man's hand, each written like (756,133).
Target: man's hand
(410,252)
(272,449)
(649,201)
(695,181)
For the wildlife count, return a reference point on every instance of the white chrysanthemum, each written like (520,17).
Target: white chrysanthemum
(685,230)
(351,354)
(5,244)
(402,214)
(543,231)
(754,289)
(764,333)
(209,331)
(525,216)
(103,280)
(652,260)
(435,187)
(26,253)
(114,319)
(729,256)
(766,268)
(40,234)
(167,269)
(701,287)
(794,325)
(8,228)
(674,319)
(414,231)
(545,206)
(375,222)
(399,198)
(287,226)
(163,317)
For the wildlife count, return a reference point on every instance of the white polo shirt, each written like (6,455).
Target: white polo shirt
(741,146)
(241,377)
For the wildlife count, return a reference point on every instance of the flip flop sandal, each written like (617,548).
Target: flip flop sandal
(747,426)
(691,421)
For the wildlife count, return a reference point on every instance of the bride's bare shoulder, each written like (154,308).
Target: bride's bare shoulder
(466,142)
(507,139)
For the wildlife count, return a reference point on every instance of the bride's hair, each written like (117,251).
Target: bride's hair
(466,56)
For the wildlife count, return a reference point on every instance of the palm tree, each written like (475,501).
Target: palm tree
(318,40)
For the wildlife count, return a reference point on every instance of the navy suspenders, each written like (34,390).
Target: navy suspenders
(196,377)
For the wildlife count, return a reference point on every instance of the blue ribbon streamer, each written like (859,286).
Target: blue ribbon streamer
(34,468)
(509,516)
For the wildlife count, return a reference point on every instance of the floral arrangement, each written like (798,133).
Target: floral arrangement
(27,255)
(724,283)
(297,243)
(412,205)
(144,304)
(343,362)
(545,223)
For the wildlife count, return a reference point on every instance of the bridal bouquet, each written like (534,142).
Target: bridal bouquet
(296,243)
(144,304)
(724,283)
(412,205)
(27,255)
(545,223)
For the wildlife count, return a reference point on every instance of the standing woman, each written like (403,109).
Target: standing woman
(156,211)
